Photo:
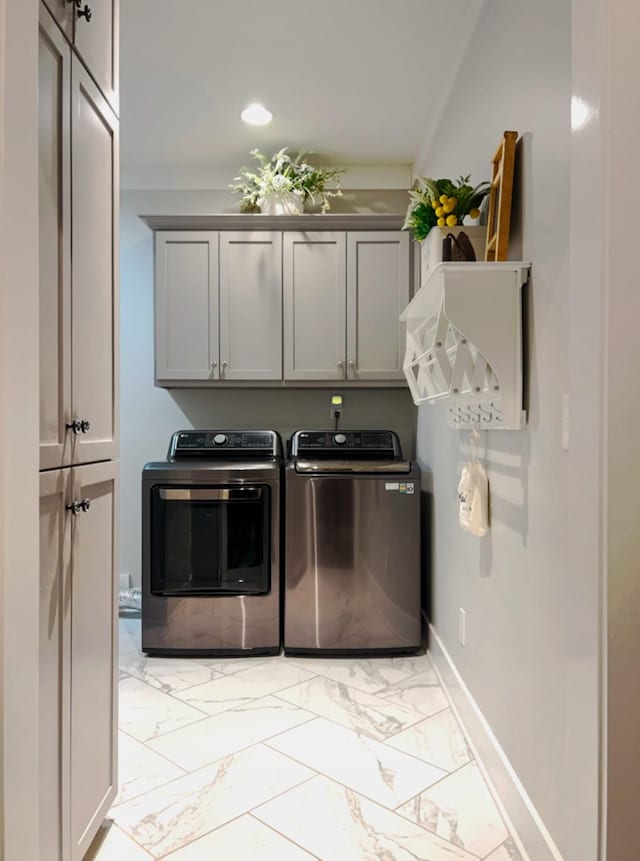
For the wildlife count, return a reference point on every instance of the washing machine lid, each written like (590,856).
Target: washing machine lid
(321,451)
(326,465)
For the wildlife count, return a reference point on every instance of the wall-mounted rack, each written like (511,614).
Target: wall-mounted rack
(464,342)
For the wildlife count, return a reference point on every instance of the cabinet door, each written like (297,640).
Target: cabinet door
(53,680)
(93,652)
(94,340)
(54,243)
(377,292)
(315,306)
(63,13)
(251,305)
(96,41)
(187,322)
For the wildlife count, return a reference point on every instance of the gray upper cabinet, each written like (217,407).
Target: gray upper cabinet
(378,289)
(187,319)
(315,305)
(96,26)
(54,245)
(94,294)
(280,305)
(250,305)
(78,203)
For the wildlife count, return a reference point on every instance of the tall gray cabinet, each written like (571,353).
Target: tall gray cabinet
(78,144)
(303,300)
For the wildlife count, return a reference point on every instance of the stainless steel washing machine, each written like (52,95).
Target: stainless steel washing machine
(211,523)
(352,560)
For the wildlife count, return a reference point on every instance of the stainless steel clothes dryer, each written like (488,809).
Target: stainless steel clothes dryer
(352,532)
(211,545)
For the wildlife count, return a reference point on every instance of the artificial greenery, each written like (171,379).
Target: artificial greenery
(281,175)
(443,203)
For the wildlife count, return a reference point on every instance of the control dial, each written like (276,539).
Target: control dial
(339,439)
(220,439)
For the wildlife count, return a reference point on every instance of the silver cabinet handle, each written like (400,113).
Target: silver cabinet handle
(352,364)
(340,364)
(213,365)
(225,365)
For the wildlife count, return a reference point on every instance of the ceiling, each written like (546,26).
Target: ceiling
(359,82)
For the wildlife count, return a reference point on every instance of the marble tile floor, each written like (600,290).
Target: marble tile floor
(285,759)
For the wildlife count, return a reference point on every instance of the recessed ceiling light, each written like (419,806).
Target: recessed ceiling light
(256,115)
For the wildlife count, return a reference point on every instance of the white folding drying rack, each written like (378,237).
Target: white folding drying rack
(464,342)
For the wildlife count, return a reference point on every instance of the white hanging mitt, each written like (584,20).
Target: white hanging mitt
(473,493)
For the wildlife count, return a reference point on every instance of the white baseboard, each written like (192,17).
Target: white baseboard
(534,841)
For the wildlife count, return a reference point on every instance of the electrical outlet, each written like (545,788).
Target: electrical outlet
(462,627)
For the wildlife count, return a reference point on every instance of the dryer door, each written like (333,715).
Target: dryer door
(210,540)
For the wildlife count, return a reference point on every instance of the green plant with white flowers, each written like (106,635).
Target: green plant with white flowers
(281,175)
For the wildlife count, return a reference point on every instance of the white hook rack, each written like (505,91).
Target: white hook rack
(464,342)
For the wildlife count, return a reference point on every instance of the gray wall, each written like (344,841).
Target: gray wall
(514,583)
(149,415)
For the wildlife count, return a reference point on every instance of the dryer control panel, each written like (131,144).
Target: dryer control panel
(224,443)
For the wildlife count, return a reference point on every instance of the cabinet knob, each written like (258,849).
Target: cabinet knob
(225,365)
(79,426)
(75,507)
(213,365)
(84,13)
(85,504)
(340,364)
(352,364)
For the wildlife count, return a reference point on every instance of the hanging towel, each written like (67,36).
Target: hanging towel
(473,494)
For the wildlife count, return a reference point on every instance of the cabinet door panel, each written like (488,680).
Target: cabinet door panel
(377,292)
(63,13)
(53,665)
(251,305)
(96,42)
(187,305)
(314,277)
(54,243)
(94,140)
(93,653)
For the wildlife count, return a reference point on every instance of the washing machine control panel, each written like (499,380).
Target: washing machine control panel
(216,443)
(350,442)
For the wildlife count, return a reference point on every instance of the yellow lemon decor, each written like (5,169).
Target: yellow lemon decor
(443,202)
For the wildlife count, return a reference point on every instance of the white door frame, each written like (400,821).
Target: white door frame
(604,518)
(19,423)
